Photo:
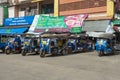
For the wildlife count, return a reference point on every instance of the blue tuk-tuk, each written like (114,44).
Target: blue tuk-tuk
(30,44)
(53,43)
(105,44)
(3,42)
(13,45)
(80,43)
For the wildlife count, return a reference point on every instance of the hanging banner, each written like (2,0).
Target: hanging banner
(47,22)
(33,25)
(75,20)
(27,20)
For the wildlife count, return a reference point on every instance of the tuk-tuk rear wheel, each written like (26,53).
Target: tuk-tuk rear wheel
(7,51)
(69,50)
(42,54)
(23,53)
(101,53)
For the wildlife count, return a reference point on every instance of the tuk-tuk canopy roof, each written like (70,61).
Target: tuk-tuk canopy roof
(54,35)
(101,35)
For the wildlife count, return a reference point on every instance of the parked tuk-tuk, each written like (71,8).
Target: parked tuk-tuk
(30,44)
(80,43)
(13,44)
(53,43)
(3,42)
(105,44)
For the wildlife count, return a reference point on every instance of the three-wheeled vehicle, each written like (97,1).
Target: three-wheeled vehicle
(3,42)
(30,44)
(13,44)
(53,43)
(80,42)
(105,44)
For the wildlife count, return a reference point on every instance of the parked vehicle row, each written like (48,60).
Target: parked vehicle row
(61,44)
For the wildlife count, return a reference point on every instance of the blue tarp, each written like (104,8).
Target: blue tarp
(13,30)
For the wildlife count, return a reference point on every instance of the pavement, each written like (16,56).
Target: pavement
(80,66)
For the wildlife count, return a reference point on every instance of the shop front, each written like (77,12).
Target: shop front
(14,26)
(99,25)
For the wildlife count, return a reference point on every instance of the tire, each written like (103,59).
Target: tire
(64,52)
(42,54)
(23,53)
(8,51)
(100,53)
(69,50)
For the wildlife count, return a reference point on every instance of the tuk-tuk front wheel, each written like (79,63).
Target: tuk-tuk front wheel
(42,53)
(7,51)
(23,53)
(101,53)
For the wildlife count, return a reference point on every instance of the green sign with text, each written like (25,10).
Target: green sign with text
(47,22)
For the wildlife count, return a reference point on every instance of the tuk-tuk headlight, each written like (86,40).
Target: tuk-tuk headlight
(100,42)
(23,47)
(44,42)
(25,43)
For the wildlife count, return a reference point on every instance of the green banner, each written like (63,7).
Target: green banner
(116,22)
(76,30)
(47,22)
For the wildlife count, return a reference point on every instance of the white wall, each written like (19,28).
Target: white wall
(11,12)
(21,13)
(1,16)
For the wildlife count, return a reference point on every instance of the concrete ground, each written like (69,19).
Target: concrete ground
(81,66)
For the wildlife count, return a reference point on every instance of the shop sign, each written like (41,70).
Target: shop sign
(116,22)
(47,22)
(76,30)
(27,20)
(75,20)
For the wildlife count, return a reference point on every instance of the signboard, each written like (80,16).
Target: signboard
(27,20)
(116,22)
(76,30)
(47,22)
(75,20)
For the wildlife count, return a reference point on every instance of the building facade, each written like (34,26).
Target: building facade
(100,12)
(20,8)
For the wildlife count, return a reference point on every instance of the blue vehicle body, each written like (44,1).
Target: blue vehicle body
(45,45)
(103,47)
(30,45)
(13,45)
(55,45)
(79,45)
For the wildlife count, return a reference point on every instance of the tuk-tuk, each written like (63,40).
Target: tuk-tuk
(53,43)
(30,44)
(13,45)
(3,42)
(80,43)
(105,44)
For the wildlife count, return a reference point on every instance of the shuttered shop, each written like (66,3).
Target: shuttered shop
(100,25)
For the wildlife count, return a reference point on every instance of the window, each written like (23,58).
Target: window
(47,8)
(29,11)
